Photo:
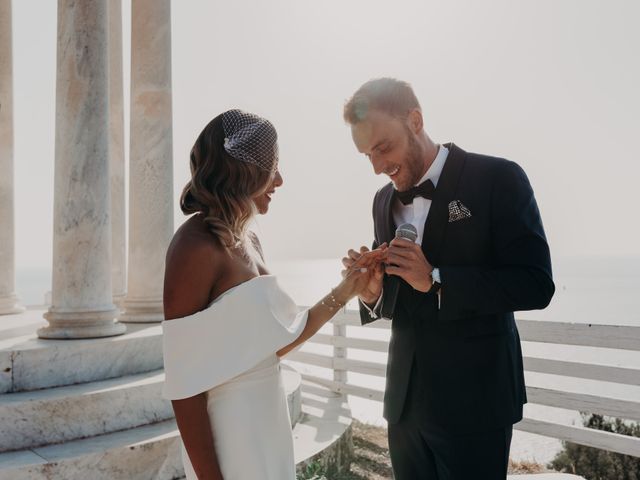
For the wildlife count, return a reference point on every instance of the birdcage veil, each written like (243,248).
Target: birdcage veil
(250,138)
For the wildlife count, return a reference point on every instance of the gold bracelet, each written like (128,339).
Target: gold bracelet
(335,300)
(336,304)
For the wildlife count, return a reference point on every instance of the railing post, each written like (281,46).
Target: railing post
(339,375)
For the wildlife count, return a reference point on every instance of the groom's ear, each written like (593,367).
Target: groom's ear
(414,121)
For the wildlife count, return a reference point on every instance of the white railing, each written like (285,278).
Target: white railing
(584,335)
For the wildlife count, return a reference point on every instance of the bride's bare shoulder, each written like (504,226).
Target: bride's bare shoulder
(194,264)
(193,239)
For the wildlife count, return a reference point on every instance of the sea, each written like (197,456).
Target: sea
(592,290)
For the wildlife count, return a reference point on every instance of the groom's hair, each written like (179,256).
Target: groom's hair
(386,95)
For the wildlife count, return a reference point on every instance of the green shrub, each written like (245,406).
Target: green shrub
(595,464)
(313,471)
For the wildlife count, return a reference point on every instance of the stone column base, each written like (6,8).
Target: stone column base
(118,301)
(142,311)
(9,305)
(70,325)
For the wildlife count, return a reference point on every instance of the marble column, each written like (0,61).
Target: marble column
(8,299)
(150,159)
(116,154)
(82,305)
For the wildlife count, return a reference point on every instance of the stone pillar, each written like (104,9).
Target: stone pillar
(8,299)
(82,305)
(116,154)
(150,159)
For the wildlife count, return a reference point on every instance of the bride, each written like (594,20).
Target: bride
(227,321)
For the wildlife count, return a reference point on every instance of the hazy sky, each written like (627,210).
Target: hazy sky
(551,84)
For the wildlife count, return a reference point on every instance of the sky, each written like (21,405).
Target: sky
(550,84)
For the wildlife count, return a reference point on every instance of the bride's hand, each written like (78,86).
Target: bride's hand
(363,273)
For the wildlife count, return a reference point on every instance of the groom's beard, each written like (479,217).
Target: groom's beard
(414,162)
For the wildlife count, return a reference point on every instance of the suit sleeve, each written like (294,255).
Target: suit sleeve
(519,276)
(365,316)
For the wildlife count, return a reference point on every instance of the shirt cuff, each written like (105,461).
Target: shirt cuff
(372,311)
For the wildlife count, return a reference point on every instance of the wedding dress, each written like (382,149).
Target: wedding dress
(228,351)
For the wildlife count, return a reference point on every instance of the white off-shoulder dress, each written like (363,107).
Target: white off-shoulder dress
(228,351)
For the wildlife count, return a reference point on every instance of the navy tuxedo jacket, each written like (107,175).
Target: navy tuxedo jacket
(463,360)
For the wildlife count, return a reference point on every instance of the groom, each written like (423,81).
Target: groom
(455,383)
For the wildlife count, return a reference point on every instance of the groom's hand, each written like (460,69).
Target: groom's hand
(373,288)
(406,260)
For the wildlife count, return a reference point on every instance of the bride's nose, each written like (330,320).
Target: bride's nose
(277,180)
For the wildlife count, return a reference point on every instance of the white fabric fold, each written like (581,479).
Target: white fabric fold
(241,328)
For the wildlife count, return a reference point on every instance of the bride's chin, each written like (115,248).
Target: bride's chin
(262,205)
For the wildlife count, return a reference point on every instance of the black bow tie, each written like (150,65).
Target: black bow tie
(425,190)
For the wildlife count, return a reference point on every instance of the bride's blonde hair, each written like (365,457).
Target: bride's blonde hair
(222,188)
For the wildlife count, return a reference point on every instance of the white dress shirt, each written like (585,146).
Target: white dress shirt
(416,212)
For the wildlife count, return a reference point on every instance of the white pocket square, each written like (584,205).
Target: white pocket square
(458,211)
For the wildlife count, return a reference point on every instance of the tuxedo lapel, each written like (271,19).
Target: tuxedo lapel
(438,218)
(386,225)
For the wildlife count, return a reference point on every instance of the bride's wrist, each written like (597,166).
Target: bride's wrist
(343,292)
(335,300)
